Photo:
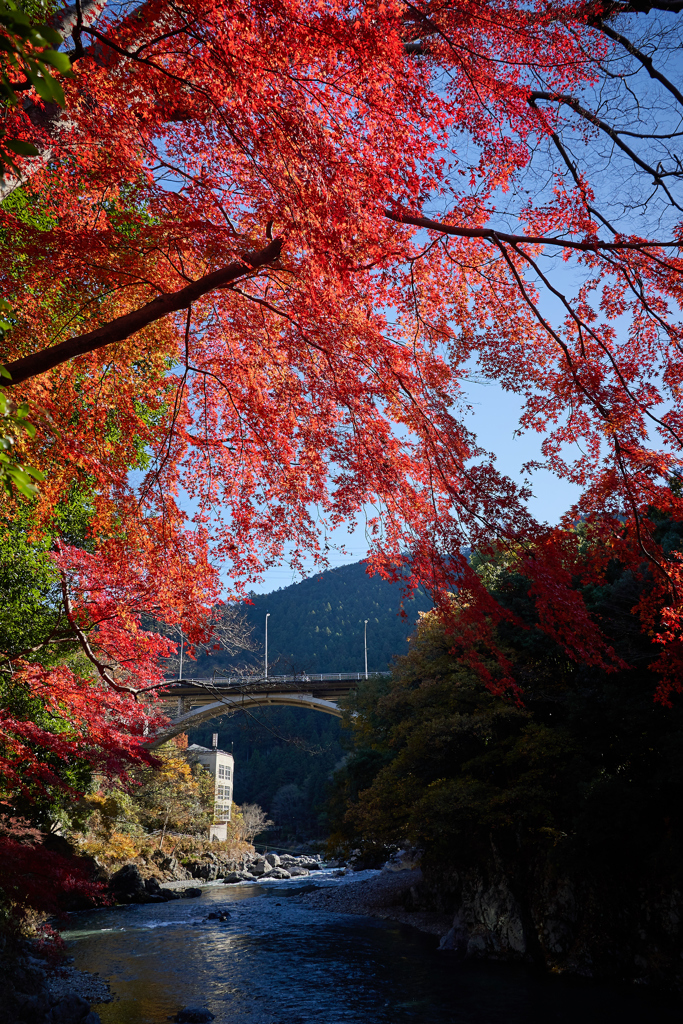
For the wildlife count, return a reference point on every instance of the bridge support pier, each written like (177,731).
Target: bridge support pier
(184,706)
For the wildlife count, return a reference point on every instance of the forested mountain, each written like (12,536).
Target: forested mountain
(317,625)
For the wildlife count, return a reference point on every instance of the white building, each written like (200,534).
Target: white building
(222,766)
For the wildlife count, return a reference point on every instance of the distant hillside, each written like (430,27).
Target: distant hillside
(317,625)
(283,761)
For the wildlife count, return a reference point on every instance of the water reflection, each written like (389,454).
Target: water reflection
(275,961)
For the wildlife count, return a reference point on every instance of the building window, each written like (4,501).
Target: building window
(223,792)
(224,772)
(222,811)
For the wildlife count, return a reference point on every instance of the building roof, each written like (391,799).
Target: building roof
(197,749)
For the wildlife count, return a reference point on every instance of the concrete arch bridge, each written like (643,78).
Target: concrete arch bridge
(190,701)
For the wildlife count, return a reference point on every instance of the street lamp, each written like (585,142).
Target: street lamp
(366,648)
(267,617)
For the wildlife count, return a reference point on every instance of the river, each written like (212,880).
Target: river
(277,961)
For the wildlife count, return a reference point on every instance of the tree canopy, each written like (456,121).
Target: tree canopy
(272,239)
(253,259)
(588,771)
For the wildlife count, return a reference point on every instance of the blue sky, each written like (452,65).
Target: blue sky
(494,420)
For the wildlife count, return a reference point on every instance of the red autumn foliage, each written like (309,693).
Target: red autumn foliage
(273,239)
(35,878)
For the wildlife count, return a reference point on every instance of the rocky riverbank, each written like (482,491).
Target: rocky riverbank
(142,880)
(34,990)
(620,927)
(565,925)
(387,895)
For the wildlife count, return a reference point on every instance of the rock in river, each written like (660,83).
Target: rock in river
(193,1015)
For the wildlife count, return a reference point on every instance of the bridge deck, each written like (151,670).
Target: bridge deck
(198,700)
(326,685)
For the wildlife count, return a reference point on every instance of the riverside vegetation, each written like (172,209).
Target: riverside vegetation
(549,820)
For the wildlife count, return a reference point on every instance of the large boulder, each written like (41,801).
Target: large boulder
(312,863)
(280,873)
(260,867)
(403,860)
(227,865)
(207,870)
(127,885)
(71,1009)
(296,872)
(25,996)
(232,877)
(273,860)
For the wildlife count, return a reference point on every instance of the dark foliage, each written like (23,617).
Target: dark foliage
(588,766)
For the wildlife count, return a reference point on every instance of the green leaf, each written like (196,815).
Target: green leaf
(51,35)
(19,29)
(40,85)
(50,83)
(57,60)
(8,91)
(57,91)
(22,148)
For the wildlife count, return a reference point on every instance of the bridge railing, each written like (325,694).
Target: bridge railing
(307,677)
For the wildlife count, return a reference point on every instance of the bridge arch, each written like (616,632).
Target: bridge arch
(242,702)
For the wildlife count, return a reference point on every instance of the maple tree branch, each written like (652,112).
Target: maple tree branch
(612,133)
(155,474)
(130,323)
(613,9)
(76,16)
(646,61)
(103,670)
(618,451)
(583,326)
(571,166)
(492,235)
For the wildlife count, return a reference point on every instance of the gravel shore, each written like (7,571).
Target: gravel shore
(382,896)
(88,986)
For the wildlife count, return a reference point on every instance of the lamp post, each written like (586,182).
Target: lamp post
(267,617)
(366,648)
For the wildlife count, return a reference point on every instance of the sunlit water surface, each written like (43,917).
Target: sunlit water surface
(276,961)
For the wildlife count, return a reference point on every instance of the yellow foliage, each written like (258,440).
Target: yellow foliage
(116,847)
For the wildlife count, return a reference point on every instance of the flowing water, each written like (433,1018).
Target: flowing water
(277,961)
